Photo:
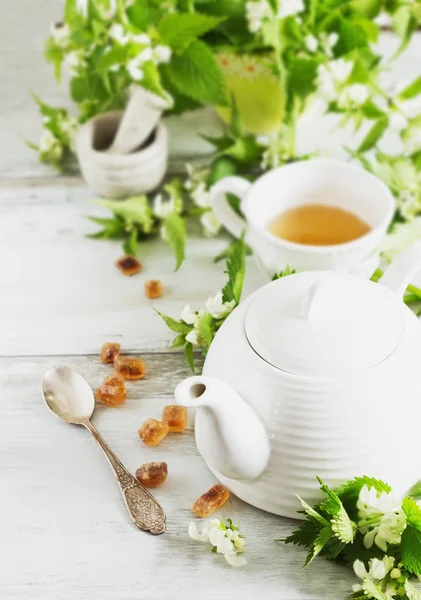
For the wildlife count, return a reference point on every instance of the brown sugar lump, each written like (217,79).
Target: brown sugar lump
(152,432)
(152,474)
(112,390)
(153,289)
(128,265)
(109,352)
(210,501)
(130,367)
(175,417)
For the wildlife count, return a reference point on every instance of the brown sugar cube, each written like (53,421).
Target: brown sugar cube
(128,265)
(211,501)
(130,367)
(152,432)
(109,352)
(112,390)
(175,417)
(153,288)
(152,474)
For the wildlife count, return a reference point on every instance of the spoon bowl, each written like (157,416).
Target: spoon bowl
(68,395)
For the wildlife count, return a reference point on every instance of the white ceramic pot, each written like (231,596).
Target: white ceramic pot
(120,175)
(314,181)
(316,374)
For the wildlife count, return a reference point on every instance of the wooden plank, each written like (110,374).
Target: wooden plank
(64,525)
(62,294)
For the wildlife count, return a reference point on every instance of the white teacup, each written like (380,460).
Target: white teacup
(309,182)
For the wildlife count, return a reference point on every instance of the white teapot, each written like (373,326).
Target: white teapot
(318,373)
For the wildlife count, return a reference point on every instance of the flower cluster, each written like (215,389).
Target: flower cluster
(199,191)
(58,136)
(224,538)
(380,518)
(216,308)
(259,11)
(382,538)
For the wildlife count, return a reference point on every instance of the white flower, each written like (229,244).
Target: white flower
(290,7)
(162,54)
(413,140)
(82,7)
(380,518)
(201,195)
(311,43)
(410,108)
(341,69)
(119,34)
(144,56)
(163,208)
(210,223)
(409,203)
(69,128)
(73,61)
(141,38)
(218,308)
(134,69)
(223,539)
(331,76)
(354,95)
(378,569)
(397,122)
(60,33)
(328,42)
(188,316)
(50,145)
(256,12)
(193,337)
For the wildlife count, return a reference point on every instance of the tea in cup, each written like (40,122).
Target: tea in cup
(310,215)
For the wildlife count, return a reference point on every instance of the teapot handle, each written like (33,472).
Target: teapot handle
(403,269)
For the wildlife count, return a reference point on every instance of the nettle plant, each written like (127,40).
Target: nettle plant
(260,63)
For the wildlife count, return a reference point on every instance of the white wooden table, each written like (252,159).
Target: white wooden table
(64,532)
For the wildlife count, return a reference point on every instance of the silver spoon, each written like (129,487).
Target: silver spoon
(69,396)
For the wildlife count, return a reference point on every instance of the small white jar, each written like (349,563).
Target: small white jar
(120,175)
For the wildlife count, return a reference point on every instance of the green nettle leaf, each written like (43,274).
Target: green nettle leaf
(205,329)
(411,591)
(372,111)
(177,326)
(113,228)
(179,30)
(197,74)
(236,269)
(319,543)
(349,492)
(245,150)
(411,549)
(179,341)
(143,14)
(412,90)
(313,513)
(342,526)
(302,76)
(130,244)
(374,135)
(412,512)
(415,491)
(152,81)
(175,234)
(287,271)
(351,37)
(304,535)
(135,210)
(221,167)
(372,590)
(188,352)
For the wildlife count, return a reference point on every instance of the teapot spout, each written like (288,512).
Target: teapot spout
(229,435)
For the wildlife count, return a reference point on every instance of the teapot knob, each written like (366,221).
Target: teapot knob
(321,297)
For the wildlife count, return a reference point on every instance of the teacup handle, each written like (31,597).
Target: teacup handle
(222,209)
(404,267)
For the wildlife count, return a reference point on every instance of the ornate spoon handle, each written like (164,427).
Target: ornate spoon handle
(144,510)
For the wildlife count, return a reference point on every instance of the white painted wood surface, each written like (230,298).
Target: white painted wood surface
(63,528)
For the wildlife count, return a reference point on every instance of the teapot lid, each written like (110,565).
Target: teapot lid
(323,324)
